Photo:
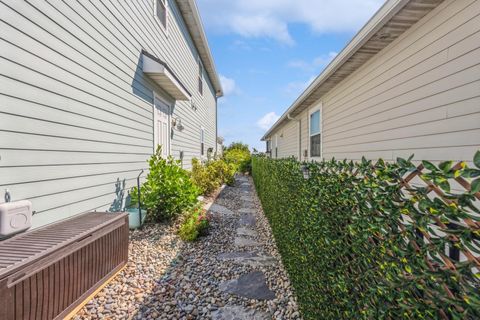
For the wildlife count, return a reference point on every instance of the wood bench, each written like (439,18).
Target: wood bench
(48,272)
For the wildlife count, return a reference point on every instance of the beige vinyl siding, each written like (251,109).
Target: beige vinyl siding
(76,111)
(418,96)
(288,140)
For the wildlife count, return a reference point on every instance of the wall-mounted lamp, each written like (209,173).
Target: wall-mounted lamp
(8,196)
(305,172)
(177,124)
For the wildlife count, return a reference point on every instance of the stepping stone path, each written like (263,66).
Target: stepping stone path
(251,286)
(233,273)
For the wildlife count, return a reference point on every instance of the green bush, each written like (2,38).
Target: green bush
(196,224)
(168,190)
(239,155)
(355,242)
(210,176)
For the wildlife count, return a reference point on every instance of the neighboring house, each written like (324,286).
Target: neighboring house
(88,89)
(408,83)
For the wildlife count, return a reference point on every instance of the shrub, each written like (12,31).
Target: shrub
(196,224)
(212,175)
(238,154)
(168,190)
(357,244)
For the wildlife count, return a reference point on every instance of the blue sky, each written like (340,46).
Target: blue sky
(268,51)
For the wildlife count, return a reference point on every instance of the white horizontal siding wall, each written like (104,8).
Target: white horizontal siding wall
(76,110)
(421,95)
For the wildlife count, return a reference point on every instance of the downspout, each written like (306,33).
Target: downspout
(289,117)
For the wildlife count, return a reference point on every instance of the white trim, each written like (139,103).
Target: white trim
(311,111)
(157,96)
(202,141)
(167,14)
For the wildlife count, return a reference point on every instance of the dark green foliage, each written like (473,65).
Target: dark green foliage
(238,154)
(349,238)
(168,190)
(211,175)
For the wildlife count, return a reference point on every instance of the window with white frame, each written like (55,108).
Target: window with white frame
(202,141)
(269,146)
(315,134)
(161,12)
(200,77)
(276,146)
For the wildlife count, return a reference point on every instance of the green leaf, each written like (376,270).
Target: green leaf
(446,166)
(475,186)
(428,165)
(476,159)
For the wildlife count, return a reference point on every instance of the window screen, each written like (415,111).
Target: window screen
(315,134)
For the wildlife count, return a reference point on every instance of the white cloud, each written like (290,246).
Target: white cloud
(295,88)
(229,86)
(317,63)
(267,120)
(271,18)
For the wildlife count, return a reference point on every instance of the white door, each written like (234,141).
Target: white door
(162,126)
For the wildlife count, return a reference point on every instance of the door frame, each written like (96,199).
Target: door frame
(157,96)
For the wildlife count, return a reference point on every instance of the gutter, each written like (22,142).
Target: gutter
(383,15)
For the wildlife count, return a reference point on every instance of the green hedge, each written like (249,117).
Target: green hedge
(348,253)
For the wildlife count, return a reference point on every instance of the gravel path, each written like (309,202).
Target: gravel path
(233,273)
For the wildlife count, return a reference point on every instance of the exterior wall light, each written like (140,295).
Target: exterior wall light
(306,172)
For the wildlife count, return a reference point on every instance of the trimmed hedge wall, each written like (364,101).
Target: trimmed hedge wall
(355,242)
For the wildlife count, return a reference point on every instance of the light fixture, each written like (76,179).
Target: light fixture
(305,172)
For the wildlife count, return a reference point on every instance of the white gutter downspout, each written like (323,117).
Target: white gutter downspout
(289,117)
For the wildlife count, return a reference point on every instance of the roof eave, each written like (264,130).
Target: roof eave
(191,15)
(378,21)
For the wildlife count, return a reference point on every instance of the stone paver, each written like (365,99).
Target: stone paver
(246,232)
(239,313)
(251,285)
(246,198)
(242,242)
(247,220)
(248,258)
(247,210)
(215,208)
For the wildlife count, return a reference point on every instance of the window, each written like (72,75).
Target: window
(269,146)
(161,12)
(276,146)
(200,77)
(202,141)
(315,134)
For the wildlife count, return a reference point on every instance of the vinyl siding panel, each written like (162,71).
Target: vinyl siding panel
(420,95)
(401,101)
(76,110)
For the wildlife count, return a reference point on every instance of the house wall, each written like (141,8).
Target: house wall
(76,111)
(420,95)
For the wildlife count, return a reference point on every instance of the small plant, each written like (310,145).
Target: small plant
(196,224)
(212,175)
(168,190)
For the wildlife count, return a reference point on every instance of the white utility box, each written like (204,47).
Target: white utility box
(15,217)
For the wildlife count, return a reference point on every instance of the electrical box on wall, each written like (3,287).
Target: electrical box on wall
(15,217)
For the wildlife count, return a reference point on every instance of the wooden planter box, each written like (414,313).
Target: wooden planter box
(48,272)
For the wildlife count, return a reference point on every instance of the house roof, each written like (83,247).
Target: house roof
(191,15)
(390,21)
